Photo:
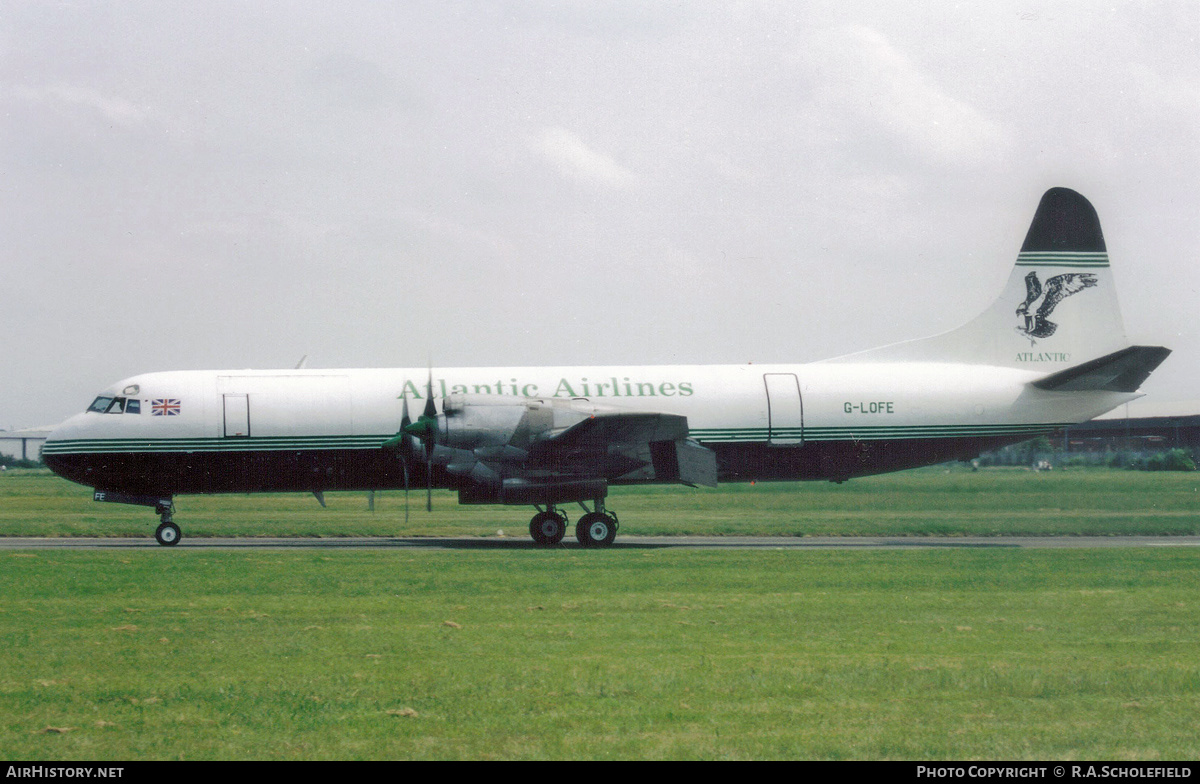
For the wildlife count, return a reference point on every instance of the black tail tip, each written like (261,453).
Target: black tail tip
(1065,221)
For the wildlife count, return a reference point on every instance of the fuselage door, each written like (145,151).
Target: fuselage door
(785,410)
(237,416)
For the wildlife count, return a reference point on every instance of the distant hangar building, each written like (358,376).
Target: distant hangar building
(1139,427)
(24,444)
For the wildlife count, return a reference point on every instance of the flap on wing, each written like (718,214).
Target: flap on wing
(601,430)
(684,461)
(1121,371)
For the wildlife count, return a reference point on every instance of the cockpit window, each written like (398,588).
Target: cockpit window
(115,405)
(100,404)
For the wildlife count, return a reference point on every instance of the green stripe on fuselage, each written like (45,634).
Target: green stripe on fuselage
(712,435)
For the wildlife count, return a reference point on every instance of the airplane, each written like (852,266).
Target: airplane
(1050,352)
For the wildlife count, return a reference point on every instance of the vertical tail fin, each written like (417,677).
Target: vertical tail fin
(1058,309)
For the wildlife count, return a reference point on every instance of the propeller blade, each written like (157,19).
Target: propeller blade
(430,411)
(405,464)
(429,481)
(403,438)
(425,428)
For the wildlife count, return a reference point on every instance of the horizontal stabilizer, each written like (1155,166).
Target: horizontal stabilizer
(1121,371)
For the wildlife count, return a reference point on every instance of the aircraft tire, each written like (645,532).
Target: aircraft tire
(596,529)
(168,534)
(548,528)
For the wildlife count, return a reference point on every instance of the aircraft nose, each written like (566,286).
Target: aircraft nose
(58,452)
(67,429)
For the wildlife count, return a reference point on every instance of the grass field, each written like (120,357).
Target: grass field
(317,654)
(988,653)
(949,501)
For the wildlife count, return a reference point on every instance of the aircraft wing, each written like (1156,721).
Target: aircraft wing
(658,441)
(601,430)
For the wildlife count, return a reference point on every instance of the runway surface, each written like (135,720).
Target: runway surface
(624,543)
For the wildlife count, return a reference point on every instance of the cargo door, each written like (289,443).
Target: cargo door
(288,405)
(785,409)
(237,416)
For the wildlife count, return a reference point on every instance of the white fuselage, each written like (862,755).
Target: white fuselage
(814,421)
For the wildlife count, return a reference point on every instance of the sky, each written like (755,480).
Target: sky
(238,185)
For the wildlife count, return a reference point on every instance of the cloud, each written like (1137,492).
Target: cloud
(867,80)
(115,110)
(348,80)
(575,160)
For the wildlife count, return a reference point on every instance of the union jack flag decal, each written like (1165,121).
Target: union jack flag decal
(165,407)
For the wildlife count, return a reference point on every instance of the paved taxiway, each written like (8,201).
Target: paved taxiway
(625,542)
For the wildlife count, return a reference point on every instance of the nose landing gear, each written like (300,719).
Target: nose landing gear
(167,533)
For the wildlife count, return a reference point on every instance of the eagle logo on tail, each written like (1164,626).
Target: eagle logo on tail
(1035,323)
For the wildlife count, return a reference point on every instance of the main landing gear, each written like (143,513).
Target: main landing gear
(597,528)
(168,533)
(548,527)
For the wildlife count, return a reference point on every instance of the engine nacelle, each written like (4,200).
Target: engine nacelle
(488,424)
(479,421)
(509,449)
